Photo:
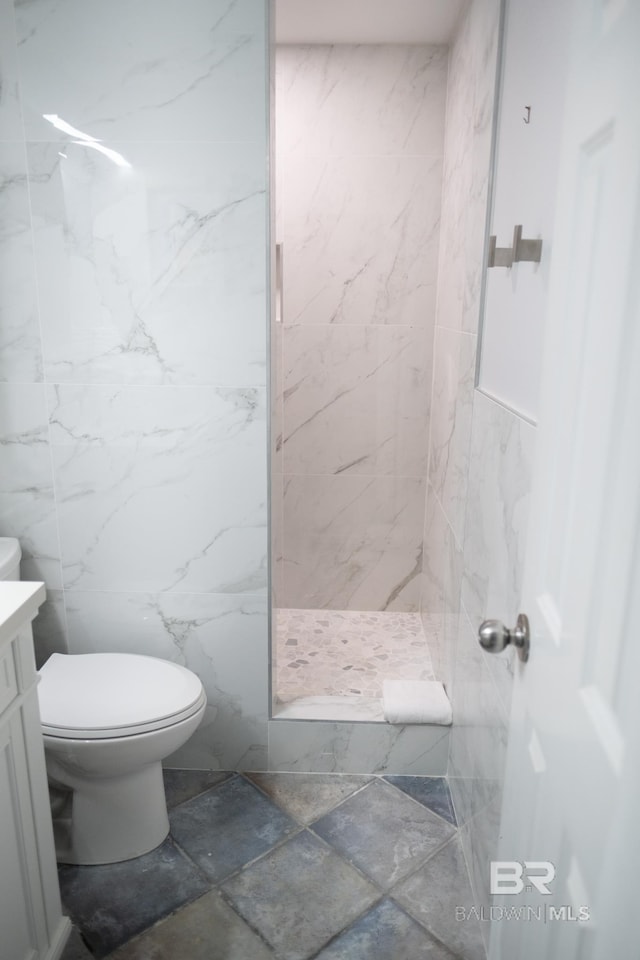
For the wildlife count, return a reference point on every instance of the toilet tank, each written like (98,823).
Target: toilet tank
(10,554)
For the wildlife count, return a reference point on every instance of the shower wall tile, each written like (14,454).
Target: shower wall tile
(161,488)
(216,637)
(153,273)
(457,178)
(479,734)
(356,399)
(193,70)
(440,588)
(27,506)
(361,239)
(20,350)
(501,463)
(485,19)
(452,406)
(353,542)
(467,492)
(366,99)
(359,140)
(10,114)
(501,458)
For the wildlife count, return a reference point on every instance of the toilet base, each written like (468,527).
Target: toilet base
(109,819)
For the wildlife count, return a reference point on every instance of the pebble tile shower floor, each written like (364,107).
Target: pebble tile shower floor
(284,866)
(347,652)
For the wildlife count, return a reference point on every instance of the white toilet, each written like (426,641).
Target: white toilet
(108,720)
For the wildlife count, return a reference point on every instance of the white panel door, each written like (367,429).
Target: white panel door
(572,788)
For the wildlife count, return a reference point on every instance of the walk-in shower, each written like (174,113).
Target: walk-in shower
(358,153)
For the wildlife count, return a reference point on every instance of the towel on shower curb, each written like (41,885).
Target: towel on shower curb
(415,701)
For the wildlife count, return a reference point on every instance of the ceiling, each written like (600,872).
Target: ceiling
(366,21)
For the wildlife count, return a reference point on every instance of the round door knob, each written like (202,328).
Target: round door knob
(494,636)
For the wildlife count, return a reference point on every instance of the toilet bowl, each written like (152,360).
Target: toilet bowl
(108,721)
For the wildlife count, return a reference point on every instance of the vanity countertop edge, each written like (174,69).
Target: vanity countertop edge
(20,601)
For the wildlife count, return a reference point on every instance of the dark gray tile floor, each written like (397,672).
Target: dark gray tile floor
(284,867)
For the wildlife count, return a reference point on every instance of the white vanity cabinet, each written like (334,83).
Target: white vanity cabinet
(31,923)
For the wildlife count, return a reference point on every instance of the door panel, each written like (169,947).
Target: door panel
(573,746)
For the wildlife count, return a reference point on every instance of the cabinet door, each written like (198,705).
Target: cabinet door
(22,922)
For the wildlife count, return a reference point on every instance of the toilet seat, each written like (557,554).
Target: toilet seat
(96,696)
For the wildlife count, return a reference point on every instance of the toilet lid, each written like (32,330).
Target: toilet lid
(98,695)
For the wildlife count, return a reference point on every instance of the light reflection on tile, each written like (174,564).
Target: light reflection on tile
(170,80)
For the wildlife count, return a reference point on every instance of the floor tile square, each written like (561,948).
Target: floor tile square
(299,896)
(113,902)
(307,796)
(205,930)
(433,792)
(383,832)
(181,785)
(229,825)
(385,933)
(432,894)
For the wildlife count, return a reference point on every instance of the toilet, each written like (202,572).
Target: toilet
(108,720)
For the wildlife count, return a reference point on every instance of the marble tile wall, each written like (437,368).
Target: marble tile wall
(500,470)
(469,116)
(359,144)
(133,272)
(479,469)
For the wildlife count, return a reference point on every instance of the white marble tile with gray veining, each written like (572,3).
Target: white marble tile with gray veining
(20,349)
(27,504)
(452,409)
(364,748)
(361,239)
(223,639)
(10,113)
(352,542)
(153,273)
(440,592)
(501,465)
(372,98)
(356,400)
(161,488)
(500,470)
(184,71)
(480,730)
(457,180)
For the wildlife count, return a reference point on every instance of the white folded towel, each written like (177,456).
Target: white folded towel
(415,701)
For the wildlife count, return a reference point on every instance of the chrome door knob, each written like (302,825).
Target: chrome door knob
(494,636)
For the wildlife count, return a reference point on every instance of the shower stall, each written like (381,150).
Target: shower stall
(360,170)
